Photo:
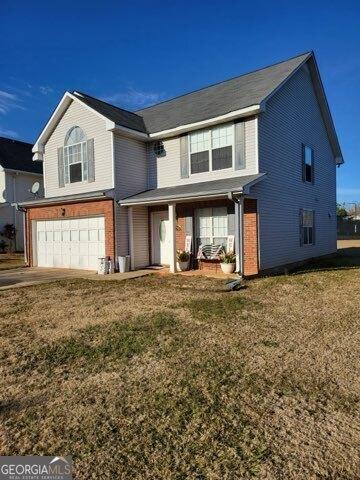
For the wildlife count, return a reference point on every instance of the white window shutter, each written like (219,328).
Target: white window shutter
(60,154)
(240,142)
(184,157)
(90,160)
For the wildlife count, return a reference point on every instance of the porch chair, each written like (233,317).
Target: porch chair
(209,252)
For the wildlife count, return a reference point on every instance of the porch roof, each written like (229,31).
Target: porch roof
(193,191)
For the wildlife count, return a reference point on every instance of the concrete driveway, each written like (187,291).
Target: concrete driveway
(22,277)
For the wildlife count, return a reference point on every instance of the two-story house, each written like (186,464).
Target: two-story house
(252,159)
(18,173)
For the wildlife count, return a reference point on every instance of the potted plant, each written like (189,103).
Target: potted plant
(228,262)
(183,259)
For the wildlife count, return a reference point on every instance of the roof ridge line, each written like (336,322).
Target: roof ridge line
(224,81)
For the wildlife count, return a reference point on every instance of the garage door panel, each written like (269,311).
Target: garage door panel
(74,243)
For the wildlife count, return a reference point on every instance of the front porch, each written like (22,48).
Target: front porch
(156,232)
(204,219)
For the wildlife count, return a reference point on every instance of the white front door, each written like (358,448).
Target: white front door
(161,246)
(70,243)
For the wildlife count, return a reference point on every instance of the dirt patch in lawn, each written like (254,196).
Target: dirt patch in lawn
(11,260)
(171,377)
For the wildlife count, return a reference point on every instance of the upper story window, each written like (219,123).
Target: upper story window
(308,164)
(75,156)
(211,149)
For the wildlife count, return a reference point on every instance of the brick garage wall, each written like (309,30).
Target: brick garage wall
(251,262)
(73,210)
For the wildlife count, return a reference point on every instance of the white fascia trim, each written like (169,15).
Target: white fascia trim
(128,132)
(112,159)
(64,103)
(243,112)
(178,199)
(257,144)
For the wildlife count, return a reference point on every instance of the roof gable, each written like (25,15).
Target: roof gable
(240,96)
(118,115)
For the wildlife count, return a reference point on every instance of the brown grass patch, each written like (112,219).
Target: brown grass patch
(11,260)
(170,377)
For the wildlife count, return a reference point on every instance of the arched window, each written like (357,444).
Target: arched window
(75,156)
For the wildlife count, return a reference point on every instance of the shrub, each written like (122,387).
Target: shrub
(9,232)
(3,246)
(182,256)
(228,258)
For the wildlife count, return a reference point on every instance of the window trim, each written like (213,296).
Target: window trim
(232,168)
(303,164)
(212,236)
(303,244)
(83,148)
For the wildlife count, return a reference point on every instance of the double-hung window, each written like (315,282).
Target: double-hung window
(308,164)
(211,226)
(75,156)
(307,227)
(211,149)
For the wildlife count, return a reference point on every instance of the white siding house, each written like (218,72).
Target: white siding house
(247,164)
(94,127)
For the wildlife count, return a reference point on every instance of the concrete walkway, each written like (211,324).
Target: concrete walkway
(24,277)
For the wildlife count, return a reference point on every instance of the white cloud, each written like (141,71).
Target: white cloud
(8,133)
(9,101)
(134,98)
(45,89)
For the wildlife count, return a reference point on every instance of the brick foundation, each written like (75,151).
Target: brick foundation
(73,210)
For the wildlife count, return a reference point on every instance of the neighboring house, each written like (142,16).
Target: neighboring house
(17,174)
(252,159)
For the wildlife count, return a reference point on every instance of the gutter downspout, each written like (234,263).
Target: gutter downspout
(239,232)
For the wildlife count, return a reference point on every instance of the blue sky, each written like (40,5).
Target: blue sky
(136,53)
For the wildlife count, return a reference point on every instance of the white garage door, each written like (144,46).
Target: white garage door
(75,243)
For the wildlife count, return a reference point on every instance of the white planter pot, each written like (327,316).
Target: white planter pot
(182,266)
(227,267)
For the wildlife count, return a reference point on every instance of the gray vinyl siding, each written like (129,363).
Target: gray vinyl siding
(293,118)
(141,237)
(130,178)
(94,127)
(164,171)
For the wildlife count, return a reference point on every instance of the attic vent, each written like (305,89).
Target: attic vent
(159,149)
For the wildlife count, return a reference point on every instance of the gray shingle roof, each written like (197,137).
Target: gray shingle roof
(213,187)
(118,115)
(234,94)
(16,155)
(219,99)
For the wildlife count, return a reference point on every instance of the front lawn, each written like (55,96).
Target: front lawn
(172,378)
